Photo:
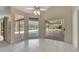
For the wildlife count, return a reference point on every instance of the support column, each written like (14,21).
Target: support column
(41,28)
(12,25)
(26,27)
(75,28)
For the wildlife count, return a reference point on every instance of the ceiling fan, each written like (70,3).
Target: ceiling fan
(36,9)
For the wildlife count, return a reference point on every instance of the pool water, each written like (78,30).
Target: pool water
(33,33)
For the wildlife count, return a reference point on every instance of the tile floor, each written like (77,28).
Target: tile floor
(50,34)
(38,45)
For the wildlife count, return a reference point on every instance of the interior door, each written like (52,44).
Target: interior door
(5,21)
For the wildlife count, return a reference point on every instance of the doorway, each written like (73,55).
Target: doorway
(4,29)
(19,28)
(33,28)
(1,30)
(55,29)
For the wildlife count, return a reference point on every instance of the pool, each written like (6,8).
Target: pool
(31,33)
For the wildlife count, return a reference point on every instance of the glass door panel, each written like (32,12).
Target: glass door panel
(22,29)
(19,27)
(17,30)
(33,29)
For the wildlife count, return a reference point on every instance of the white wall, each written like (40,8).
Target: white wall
(75,27)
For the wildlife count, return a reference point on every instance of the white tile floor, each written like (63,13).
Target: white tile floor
(38,45)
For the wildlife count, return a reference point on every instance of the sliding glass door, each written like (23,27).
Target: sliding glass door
(19,30)
(33,28)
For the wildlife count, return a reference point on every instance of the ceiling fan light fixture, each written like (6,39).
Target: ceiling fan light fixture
(38,12)
(35,12)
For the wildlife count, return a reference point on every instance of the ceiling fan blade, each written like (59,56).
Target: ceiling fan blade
(43,9)
(30,8)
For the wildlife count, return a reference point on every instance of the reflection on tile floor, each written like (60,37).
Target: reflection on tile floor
(39,45)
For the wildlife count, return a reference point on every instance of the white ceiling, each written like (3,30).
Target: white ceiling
(25,8)
(4,11)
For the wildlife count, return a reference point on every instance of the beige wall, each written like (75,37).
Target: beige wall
(61,12)
(41,28)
